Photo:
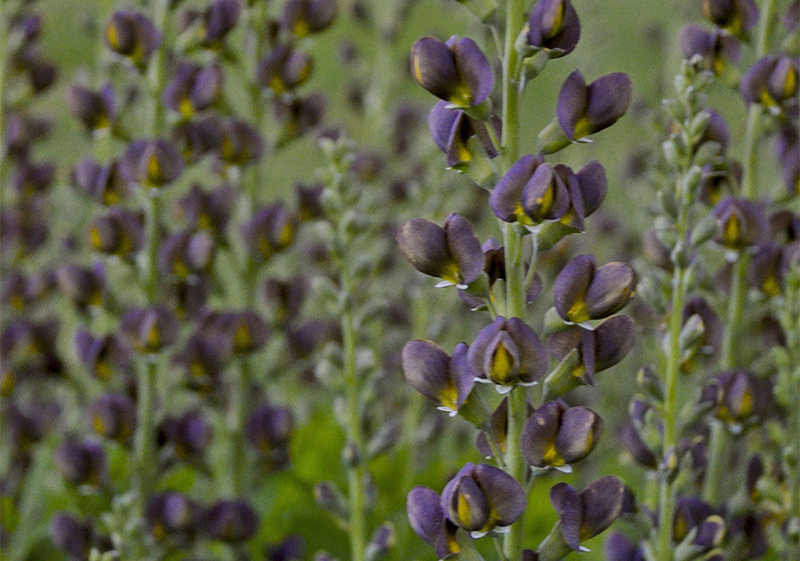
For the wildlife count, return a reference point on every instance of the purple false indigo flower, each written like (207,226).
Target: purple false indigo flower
(772,81)
(207,210)
(41,73)
(32,178)
(186,253)
(306,17)
(299,115)
(95,110)
(83,286)
(582,291)
(737,396)
(715,48)
(309,201)
(497,431)
(508,352)
(102,356)
(151,163)
(712,328)
(690,512)
(284,69)
(586,109)
(427,518)
(748,531)
(269,430)
(23,230)
(132,35)
(554,25)
(113,416)
(434,374)
(532,191)
(243,332)
(219,19)
(285,298)
(204,359)
(735,16)
(119,232)
(27,427)
(76,537)
(742,223)
(598,349)
(767,269)
(456,71)
(81,463)
(197,137)
(450,252)
(240,143)
(103,183)
(21,131)
(232,521)
(481,498)
(150,329)
(171,515)
(451,130)
(791,19)
(189,435)
(290,549)
(620,548)
(586,514)
(270,231)
(193,88)
(29,26)
(633,443)
(558,436)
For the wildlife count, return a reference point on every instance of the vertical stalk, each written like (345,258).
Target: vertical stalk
(147,382)
(355,437)
(3,55)
(515,295)
(666,491)
(791,321)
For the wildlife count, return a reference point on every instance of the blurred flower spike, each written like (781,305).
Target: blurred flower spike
(445,379)
(554,26)
(456,71)
(557,435)
(508,352)
(583,291)
(450,252)
(483,498)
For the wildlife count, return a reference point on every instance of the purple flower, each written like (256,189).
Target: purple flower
(742,223)
(284,69)
(450,252)
(150,329)
(81,463)
(508,352)
(557,435)
(583,291)
(481,498)
(132,35)
(434,374)
(305,17)
(151,163)
(735,16)
(585,109)
(427,518)
(554,25)
(714,47)
(113,416)
(455,71)
(95,110)
(193,88)
(270,231)
(773,82)
(231,521)
(586,514)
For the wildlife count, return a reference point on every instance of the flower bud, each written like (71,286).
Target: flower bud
(773,82)
(586,514)
(715,48)
(269,430)
(736,16)
(186,253)
(306,17)
(428,520)
(430,371)
(113,416)
(119,232)
(557,435)
(151,163)
(481,498)
(189,435)
(585,109)
(270,230)
(150,329)
(171,515)
(284,69)
(239,144)
(232,521)
(451,252)
(132,35)
(95,110)
(207,210)
(583,291)
(554,25)
(508,352)
(742,223)
(193,89)
(456,71)
(81,463)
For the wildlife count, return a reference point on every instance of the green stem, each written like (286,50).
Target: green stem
(719,441)
(357,529)
(3,57)
(515,465)
(514,19)
(155,70)
(153,199)
(144,445)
